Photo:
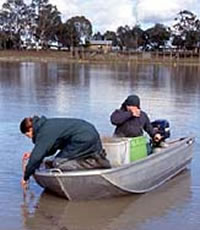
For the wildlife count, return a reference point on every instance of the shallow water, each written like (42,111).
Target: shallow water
(92,92)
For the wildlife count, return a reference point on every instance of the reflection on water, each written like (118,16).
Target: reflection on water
(119,213)
(57,213)
(82,90)
(92,92)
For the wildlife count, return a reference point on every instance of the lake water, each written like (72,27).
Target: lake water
(92,92)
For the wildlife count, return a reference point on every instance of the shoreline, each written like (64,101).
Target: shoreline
(109,58)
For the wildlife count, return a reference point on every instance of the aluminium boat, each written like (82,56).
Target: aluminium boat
(136,177)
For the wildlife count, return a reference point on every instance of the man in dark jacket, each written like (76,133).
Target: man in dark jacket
(131,121)
(78,141)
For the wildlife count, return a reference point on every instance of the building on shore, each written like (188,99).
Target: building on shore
(104,46)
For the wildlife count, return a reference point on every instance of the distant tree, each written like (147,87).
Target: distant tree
(67,35)
(138,36)
(130,38)
(186,30)
(47,20)
(98,36)
(157,36)
(82,26)
(3,40)
(110,35)
(13,20)
(125,37)
(178,41)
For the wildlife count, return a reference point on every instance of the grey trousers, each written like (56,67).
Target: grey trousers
(95,161)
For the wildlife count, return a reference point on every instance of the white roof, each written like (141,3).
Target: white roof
(101,42)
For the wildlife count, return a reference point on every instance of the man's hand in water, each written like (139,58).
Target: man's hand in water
(24,184)
(26,156)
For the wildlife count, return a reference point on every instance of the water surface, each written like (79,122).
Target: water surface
(92,92)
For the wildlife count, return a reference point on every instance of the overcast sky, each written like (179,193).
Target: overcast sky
(109,15)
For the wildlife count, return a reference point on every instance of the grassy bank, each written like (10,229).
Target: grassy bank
(66,57)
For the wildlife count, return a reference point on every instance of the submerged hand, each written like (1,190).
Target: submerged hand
(24,184)
(26,156)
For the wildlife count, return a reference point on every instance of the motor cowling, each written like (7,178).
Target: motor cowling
(162,127)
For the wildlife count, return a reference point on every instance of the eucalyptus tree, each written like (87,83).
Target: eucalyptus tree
(122,34)
(157,36)
(80,27)
(13,20)
(186,30)
(111,35)
(125,37)
(130,38)
(67,35)
(138,37)
(98,36)
(3,40)
(45,22)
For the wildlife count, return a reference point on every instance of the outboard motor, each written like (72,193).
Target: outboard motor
(162,127)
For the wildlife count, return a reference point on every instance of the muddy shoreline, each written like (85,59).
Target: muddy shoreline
(68,57)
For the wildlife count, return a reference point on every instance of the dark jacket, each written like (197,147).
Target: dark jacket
(129,126)
(74,137)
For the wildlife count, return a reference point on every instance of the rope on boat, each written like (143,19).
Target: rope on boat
(59,180)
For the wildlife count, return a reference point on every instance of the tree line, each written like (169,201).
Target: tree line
(40,23)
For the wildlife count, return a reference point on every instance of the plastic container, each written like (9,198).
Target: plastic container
(138,148)
(117,150)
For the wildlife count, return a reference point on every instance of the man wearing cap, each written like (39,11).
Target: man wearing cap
(131,121)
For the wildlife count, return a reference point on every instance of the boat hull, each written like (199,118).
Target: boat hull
(137,177)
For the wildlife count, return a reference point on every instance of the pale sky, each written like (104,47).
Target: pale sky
(109,15)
